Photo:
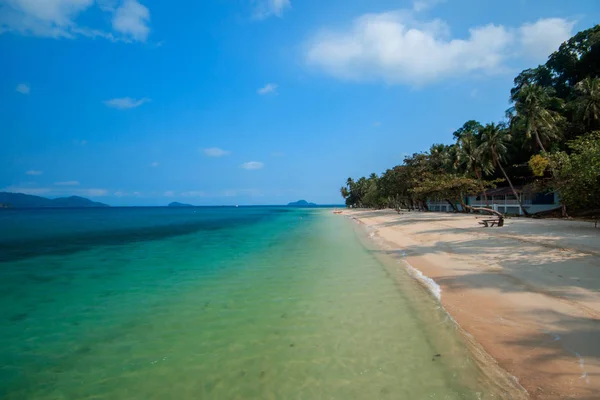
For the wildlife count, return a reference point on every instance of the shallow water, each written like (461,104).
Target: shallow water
(215,303)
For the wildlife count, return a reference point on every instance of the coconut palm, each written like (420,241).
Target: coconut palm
(469,158)
(534,114)
(494,139)
(587,105)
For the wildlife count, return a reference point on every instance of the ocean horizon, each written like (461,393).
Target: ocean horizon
(216,303)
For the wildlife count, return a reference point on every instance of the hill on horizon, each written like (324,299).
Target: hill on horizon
(301,203)
(178,204)
(22,200)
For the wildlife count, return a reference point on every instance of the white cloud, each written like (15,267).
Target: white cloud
(268,88)
(169,193)
(397,48)
(57,19)
(125,103)
(53,18)
(268,8)
(67,183)
(215,152)
(34,172)
(93,192)
(26,190)
(154,164)
(23,88)
(543,37)
(193,193)
(56,191)
(132,19)
(253,165)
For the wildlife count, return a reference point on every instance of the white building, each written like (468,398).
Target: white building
(503,200)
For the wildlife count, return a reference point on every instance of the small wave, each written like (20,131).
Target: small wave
(429,283)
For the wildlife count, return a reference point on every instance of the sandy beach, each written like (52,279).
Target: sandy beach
(528,293)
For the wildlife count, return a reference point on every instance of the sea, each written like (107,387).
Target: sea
(217,303)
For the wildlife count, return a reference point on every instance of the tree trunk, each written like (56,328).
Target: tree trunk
(539,142)
(452,205)
(461,201)
(483,191)
(511,185)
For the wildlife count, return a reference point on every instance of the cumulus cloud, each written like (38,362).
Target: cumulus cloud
(125,103)
(397,48)
(67,183)
(132,19)
(57,18)
(267,8)
(268,88)
(543,37)
(250,165)
(34,172)
(215,152)
(54,191)
(23,88)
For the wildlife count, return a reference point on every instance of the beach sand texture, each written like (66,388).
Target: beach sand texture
(527,293)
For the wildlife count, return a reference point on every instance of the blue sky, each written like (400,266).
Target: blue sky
(140,102)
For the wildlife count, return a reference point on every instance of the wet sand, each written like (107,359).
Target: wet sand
(528,293)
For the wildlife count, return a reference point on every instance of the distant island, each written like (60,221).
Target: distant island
(301,203)
(177,204)
(21,200)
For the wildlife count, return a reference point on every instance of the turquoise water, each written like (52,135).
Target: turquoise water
(215,303)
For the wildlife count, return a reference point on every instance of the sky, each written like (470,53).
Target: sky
(224,102)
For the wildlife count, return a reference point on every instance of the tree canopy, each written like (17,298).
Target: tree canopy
(549,140)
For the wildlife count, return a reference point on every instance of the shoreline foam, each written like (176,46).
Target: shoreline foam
(546,367)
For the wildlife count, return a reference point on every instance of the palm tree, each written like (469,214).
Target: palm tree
(494,139)
(534,114)
(440,157)
(469,157)
(344,192)
(587,105)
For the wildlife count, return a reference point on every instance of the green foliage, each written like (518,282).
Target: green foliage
(587,103)
(554,105)
(538,164)
(536,114)
(450,186)
(576,176)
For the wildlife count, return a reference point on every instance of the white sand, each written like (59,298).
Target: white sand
(528,293)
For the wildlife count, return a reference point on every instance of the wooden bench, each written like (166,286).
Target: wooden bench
(491,222)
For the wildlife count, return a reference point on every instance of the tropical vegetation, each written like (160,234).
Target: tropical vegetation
(549,142)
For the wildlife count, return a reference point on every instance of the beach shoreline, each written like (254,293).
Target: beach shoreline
(525,295)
